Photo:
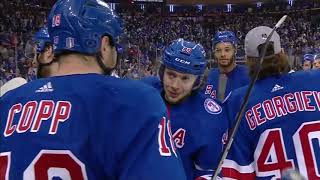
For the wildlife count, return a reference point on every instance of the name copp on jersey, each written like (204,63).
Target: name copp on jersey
(280,128)
(237,78)
(198,125)
(85,127)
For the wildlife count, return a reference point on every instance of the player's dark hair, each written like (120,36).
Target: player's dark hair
(272,65)
(44,72)
(106,70)
(44,69)
(69,52)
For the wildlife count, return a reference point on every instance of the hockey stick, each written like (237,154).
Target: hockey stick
(245,101)
(12,84)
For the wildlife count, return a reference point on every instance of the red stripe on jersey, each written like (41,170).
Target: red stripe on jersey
(233,173)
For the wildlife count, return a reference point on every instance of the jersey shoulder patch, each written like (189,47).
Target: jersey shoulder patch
(212,106)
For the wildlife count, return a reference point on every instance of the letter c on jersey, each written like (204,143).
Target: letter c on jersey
(33,113)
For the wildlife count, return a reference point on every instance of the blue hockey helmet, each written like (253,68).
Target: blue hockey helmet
(317,56)
(79,25)
(308,57)
(224,36)
(185,57)
(42,38)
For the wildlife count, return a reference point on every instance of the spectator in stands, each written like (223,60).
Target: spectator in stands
(316,62)
(307,62)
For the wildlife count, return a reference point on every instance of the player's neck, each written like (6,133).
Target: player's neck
(75,64)
(227,69)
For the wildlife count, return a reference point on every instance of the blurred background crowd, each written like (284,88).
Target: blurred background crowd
(149,27)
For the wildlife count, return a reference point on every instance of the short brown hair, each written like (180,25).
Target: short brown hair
(272,65)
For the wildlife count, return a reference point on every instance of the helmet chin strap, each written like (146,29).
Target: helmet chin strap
(42,65)
(105,69)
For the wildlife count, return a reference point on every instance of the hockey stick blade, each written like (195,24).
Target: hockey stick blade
(281,21)
(245,101)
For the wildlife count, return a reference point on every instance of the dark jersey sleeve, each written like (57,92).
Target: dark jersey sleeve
(144,149)
(239,162)
(209,154)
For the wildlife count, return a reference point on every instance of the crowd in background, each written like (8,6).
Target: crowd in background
(148,31)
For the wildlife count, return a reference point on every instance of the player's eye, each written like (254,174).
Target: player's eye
(227,50)
(185,78)
(171,75)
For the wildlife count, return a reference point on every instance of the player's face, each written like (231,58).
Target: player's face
(177,86)
(306,65)
(316,64)
(224,53)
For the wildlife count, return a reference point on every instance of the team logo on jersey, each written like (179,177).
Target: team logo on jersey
(276,88)
(212,107)
(45,88)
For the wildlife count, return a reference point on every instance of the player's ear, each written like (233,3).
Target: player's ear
(105,44)
(49,51)
(108,52)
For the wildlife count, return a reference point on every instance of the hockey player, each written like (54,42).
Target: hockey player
(316,62)
(197,122)
(307,61)
(44,56)
(280,127)
(81,124)
(228,75)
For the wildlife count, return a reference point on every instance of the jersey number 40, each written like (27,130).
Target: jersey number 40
(271,155)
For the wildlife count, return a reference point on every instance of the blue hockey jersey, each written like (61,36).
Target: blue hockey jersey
(198,125)
(237,78)
(86,127)
(280,128)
